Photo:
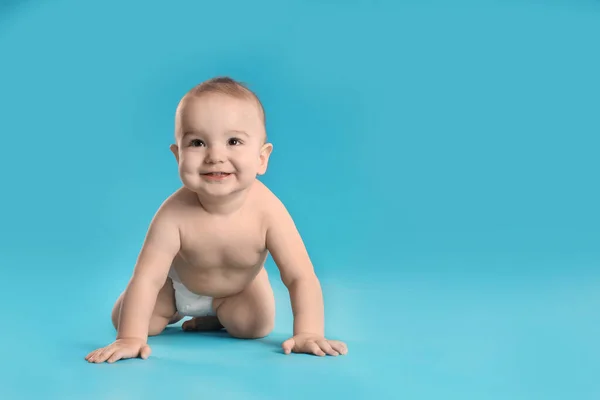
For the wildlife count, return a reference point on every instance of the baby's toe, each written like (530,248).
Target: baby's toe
(189,325)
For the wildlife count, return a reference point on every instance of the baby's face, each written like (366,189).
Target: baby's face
(220,144)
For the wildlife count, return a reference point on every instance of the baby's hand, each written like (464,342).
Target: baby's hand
(313,344)
(120,349)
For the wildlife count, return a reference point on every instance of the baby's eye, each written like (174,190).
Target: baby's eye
(234,141)
(196,143)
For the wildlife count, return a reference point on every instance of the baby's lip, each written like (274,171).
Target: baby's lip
(216,172)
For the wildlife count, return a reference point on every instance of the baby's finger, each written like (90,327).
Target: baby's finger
(339,347)
(326,347)
(104,354)
(288,346)
(108,351)
(96,354)
(90,356)
(145,353)
(117,355)
(315,349)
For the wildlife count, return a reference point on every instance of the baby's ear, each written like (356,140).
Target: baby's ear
(175,151)
(265,153)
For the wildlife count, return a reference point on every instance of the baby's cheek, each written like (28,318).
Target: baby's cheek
(188,172)
(189,164)
(191,181)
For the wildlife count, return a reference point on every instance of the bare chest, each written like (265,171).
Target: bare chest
(230,244)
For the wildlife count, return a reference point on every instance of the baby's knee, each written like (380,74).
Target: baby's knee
(254,328)
(261,331)
(156,326)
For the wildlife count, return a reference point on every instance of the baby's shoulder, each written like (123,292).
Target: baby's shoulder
(266,202)
(174,206)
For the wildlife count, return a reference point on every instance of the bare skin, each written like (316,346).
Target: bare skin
(216,232)
(228,268)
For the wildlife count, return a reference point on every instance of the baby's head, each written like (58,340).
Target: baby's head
(220,128)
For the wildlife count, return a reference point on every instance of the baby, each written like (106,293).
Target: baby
(204,253)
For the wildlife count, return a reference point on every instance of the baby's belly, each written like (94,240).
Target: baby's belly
(216,282)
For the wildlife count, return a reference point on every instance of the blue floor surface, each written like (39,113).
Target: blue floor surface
(424,335)
(440,159)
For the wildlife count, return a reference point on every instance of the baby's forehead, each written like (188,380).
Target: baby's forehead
(219,111)
(209,104)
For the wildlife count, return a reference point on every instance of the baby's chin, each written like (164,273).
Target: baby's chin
(204,187)
(216,186)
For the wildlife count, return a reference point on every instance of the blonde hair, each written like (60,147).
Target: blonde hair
(223,85)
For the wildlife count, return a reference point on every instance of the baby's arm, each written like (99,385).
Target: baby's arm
(160,246)
(297,273)
(150,273)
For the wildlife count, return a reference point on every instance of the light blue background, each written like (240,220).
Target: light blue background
(440,160)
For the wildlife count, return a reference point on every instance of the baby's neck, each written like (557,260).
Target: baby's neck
(223,206)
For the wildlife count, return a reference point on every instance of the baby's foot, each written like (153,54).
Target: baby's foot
(202,324)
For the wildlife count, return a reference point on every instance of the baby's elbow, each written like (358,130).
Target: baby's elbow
(308,279)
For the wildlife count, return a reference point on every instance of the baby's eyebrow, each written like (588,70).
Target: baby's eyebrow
(201,133)
(238,132)
(191,132)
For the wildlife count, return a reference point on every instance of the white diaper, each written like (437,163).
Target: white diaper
(190,304)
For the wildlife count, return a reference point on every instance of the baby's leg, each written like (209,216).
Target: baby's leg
(251,313)
(164,313)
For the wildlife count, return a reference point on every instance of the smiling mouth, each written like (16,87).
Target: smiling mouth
(216,175)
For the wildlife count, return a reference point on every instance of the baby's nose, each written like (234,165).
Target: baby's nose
(215,155)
